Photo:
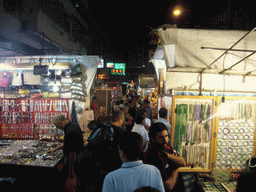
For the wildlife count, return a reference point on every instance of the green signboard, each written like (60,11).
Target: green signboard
(119,69)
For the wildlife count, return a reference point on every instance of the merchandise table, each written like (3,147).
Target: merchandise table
(217,186)
(29,152)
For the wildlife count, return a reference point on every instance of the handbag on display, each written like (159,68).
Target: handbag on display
(66,80)
(31,79)
(24,91)
(66,95)
(45,94)
(36,95)
(4,78)
(76,69)
(53,95)
(17,79)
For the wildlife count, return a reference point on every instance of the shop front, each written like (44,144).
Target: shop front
(210,94)
(31,97)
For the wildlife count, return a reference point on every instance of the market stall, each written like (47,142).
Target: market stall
(33,90)
(209,88)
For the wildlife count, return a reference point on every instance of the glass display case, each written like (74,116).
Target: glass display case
(210,134)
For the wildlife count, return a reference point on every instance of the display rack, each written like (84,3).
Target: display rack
(236,133)
(31,118)
(210,134)
(191,137)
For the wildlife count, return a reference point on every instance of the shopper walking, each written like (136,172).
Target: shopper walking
(139,127)
(163,113)
(133,174)
(146,105)
(104,154)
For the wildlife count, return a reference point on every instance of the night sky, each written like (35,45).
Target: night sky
(123,26)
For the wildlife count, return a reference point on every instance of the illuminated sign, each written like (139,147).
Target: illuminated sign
(101,64)
(119,69)
(110,65)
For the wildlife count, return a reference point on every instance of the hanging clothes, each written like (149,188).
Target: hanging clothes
(4,78)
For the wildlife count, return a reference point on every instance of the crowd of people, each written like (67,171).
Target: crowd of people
(139,159)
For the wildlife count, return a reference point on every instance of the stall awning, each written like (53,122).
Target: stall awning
(208,51)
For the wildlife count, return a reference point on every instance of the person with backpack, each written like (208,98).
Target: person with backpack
(133,174)
(103,149)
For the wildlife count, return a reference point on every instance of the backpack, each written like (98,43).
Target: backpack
(101,134)
(100,146)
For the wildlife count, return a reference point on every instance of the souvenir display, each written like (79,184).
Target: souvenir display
(29,152)
(44,112)
(4,78)
(192,137)
(235,144)
(224,140)
(209,186)
(31,118)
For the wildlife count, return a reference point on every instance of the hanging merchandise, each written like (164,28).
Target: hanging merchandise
(73,113)
(31,118)
(78,69)
(16,122)
(31,79)
(210,134)
(192,136)
(236,132)
(17,79)
(4,78)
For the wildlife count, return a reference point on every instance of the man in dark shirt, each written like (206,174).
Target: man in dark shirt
(104,158)
(114,162)
(73,148)
(164,157)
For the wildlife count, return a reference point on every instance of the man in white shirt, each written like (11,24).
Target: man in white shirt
(163,119)
(139,127)
(133,174)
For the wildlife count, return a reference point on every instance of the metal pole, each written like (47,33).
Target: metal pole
(223,49)
(249,32)
(237,63)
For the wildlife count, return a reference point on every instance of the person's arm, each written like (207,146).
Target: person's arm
(51,151)
(170,183)
(178,160)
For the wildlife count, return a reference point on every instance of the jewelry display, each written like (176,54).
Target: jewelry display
(238,130)
(192,137)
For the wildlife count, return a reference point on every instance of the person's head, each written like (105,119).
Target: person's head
(130,146)
(158,134)
(60,121)
(163,112)
(140,117)
(103,111)
(126,109)
(117,118)
(146,103)
(129,103)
